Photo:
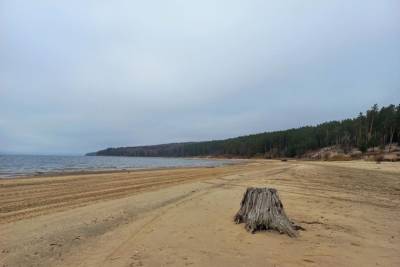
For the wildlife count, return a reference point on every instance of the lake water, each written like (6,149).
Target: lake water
(22,165)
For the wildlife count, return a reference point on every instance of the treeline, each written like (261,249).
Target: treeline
(377,127)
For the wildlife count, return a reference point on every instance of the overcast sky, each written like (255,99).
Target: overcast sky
(78,76)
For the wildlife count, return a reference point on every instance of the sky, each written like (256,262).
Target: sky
(79,76)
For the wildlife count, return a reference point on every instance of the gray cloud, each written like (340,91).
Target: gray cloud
(79,76)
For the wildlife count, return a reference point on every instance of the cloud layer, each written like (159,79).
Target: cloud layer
(77,76)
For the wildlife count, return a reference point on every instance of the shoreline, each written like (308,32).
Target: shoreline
(112,171)
(240,161)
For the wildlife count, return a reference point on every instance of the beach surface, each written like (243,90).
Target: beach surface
(184,217)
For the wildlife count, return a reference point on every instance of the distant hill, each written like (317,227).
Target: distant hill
(164,150)
(377,127)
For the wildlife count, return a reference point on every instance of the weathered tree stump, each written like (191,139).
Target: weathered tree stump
(261,209)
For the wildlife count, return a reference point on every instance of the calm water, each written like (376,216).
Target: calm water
(20,165)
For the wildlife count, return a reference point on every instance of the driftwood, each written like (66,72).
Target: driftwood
(261,209)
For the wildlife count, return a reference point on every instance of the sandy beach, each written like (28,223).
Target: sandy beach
(183,217)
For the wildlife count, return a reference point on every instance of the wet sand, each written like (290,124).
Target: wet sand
(183,217)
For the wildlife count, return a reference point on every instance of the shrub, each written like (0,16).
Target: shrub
(379,158)
(363,147)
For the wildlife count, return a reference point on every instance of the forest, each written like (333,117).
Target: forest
(377,127)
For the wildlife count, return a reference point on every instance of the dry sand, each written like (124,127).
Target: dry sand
(183,217)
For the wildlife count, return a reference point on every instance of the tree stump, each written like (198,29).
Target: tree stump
(261,209)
